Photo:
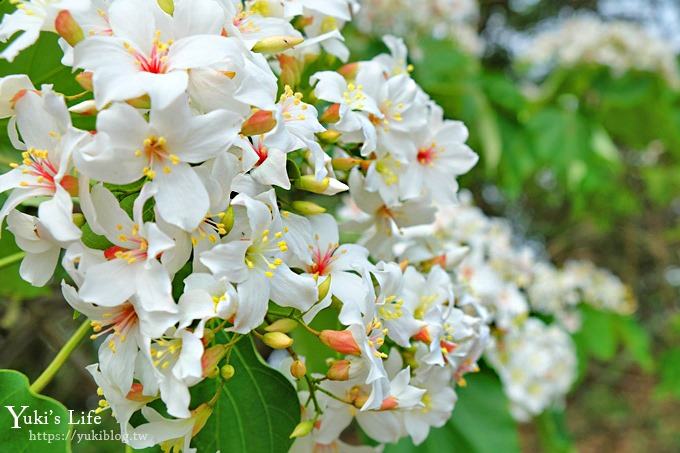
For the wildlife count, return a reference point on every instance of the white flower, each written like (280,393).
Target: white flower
(127,148)
(150,52)
(42,251)
(132,267)
(30,18)
(129,328)
(252,256)
(206,297)
(49,140)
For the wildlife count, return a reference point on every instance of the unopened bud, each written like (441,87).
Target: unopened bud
(84,79)
(329,136)
(341,341)
(211,358)
(345,163)
(167,5)
(331,115)
(78,219)
(277,340)
(85,108)
(68,28)
(228,219)
(201,415)
(389,403)
(423,335)
(227,372)
(339,370)
(311,184)
(291,69)
(283,325)
(260,122)
(303,429)
(298,369)
(277,44)
(307,208)
(349,71)
(324,287)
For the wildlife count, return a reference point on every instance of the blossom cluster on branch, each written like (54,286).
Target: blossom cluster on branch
(620,45)
(195,213)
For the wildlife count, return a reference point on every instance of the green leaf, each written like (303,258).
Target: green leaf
(553,433)
(257,409)
(669,373)
(598,335)
(636,341)
(11,283)
(480,423)
(15,392)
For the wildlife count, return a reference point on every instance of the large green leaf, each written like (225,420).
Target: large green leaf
(480,423)
(30,437)
(257,409)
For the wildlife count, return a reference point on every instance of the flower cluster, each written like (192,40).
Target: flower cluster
(623,46)
(509,279)
(189,214)
(442,19)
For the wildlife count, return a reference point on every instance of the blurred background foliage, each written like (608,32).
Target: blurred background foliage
(586,161)
(583,160)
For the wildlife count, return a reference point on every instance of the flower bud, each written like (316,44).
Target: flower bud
(345,163)
(211,357)
(85,108)
(201,415)
(341,341)
(260,122)
(423,335)
(331,115)
(324,287)
(228,219)
(307,208)
(78,219)
(227,372)
(167,5)
(84,79)
(298,369)
(277,44)
(68,28)
(277,340)
(349,71)
(329,136)
(303,429)
(389,403)
(291,69)
(311,184)
(283,325)
(339,370)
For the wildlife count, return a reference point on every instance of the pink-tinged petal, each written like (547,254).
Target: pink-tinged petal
(228,260)
(9,86)
(273,170)
(37,269)
(292,290)
(110,283)
(253,295)
(181,199)
(56,216)
(154,289)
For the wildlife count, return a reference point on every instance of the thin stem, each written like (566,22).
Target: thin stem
(63,355)
(11,259)
(323,390)
(309,329)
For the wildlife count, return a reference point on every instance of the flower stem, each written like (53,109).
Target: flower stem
(61,357)
(11,259)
